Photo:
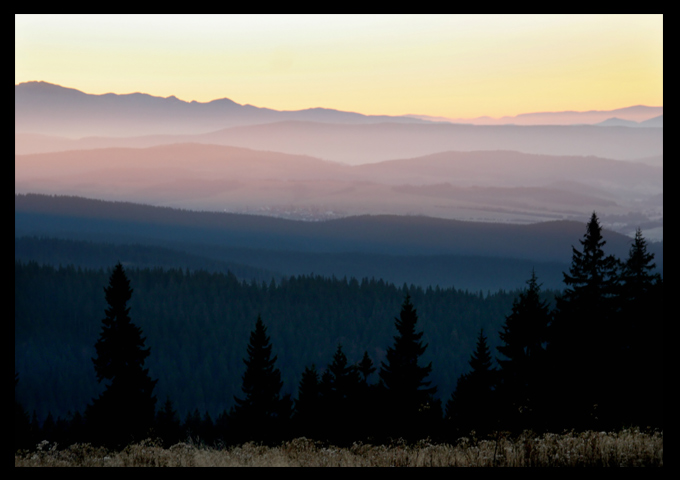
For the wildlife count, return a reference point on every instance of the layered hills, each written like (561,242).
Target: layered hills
(42,107)
(421,250)
(480,185)
(49,117)
(637,114)
(369,143)
(323,164)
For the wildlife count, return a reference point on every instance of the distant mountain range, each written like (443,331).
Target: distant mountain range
(221,156)
(368,143)
(49,109)
(620,122)
(41,107)
(491,185)
(637,115)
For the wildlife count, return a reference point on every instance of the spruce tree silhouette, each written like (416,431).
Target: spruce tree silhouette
(308,412)
(524,336)
(167,424)
(366,368)
(262,414)
(368,401)
(581,344)
(473,405)
(21,421)
(640,326)
(637,277)
(592,276)
(344,378)
(125,411)
(341,390)
(408,396)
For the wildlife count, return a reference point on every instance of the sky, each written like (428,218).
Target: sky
(453,66)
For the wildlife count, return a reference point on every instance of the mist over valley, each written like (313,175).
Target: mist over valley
(321,165)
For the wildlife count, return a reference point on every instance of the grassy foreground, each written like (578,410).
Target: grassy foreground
(622,449)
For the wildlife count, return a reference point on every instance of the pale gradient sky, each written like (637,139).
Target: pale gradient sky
(456,66)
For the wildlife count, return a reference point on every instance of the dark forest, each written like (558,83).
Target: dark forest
(114,356)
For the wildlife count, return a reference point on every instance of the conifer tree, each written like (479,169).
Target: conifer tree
(344,379)
(262,412)
(125,411)
(341,389)
(593,276)
(366,368)
(582,343)
(637,278)
(472,406)
(639,327)
(407,391)
(524,337)
(167,424)
(368,400)
(308,412)
(21,421)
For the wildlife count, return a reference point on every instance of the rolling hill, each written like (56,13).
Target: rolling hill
(482,185)
(426,250)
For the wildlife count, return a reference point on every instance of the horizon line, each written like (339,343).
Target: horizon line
(412,115)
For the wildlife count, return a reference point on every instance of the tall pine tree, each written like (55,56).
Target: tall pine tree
(583,341)
(340,389)
(522,368)
(125,411)
(637,278)
(408,395)
(308,412)
(640,329)
(21,421)
(473,405)
(167,424)
(262,413)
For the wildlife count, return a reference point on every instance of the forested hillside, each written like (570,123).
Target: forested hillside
(96,255)
(197,325)
(318,357)
(397,249)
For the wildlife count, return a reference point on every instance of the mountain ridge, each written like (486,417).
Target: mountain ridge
(636,113)
(384,234)
(490,185)
(37,109)
(35,103)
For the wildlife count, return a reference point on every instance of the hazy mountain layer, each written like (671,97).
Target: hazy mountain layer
(358,144)
(414,250)
(637,114)
(41,107)
(386,234)
(471,273)
(45,108)
(620,122)
(483,185)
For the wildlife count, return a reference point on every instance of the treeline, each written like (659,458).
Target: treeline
(96,255)
(197,325)
(593,360)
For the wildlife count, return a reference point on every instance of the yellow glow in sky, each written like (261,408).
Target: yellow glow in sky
(456,66)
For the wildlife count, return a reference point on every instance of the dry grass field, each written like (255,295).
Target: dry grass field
(628,448)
